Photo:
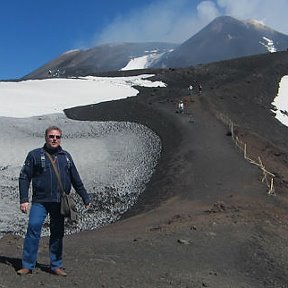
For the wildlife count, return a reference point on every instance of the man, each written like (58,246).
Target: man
(46,199)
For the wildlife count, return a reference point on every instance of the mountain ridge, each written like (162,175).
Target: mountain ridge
(222,39)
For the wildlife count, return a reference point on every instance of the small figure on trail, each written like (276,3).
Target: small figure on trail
(199,88)
(190,89)
(180,108)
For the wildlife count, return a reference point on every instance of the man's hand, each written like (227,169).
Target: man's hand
(24,207)
(88,206)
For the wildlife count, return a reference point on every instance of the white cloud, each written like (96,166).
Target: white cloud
(207,10)
(178,20)
(270,12)
(164,20)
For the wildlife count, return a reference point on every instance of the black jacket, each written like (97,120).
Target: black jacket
(45,187)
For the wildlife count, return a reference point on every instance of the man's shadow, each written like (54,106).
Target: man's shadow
(16,263)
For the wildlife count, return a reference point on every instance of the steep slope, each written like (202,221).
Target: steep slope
(225,38)
(206,219)
(102,58)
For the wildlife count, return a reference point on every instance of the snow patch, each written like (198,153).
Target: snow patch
(71,51)
(39,97)
(281,102)
(144,61)
(115,159)
(229,37)
(269,44)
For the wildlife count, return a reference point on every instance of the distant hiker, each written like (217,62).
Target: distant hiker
(199,88)
(190,89)
(46,194)
(180,107)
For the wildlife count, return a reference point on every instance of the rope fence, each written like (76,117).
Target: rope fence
(268,177)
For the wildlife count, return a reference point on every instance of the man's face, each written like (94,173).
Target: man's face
(53,139)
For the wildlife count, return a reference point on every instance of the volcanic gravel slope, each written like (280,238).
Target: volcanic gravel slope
(205,219)
(115,161)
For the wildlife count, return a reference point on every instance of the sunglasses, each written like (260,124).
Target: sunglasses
(54,136)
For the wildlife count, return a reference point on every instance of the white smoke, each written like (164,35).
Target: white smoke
(177,20)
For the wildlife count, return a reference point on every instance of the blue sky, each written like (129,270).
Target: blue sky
(34,32)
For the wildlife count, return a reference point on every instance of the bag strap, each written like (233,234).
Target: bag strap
(43,160)
(56,173)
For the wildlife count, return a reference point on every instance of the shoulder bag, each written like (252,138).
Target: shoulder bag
(68,204)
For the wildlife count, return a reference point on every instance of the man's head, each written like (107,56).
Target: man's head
(53,136)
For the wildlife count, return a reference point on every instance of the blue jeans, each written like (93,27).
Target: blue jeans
(38,213)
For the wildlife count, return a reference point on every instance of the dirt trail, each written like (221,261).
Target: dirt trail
(205,219)
(220,229)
